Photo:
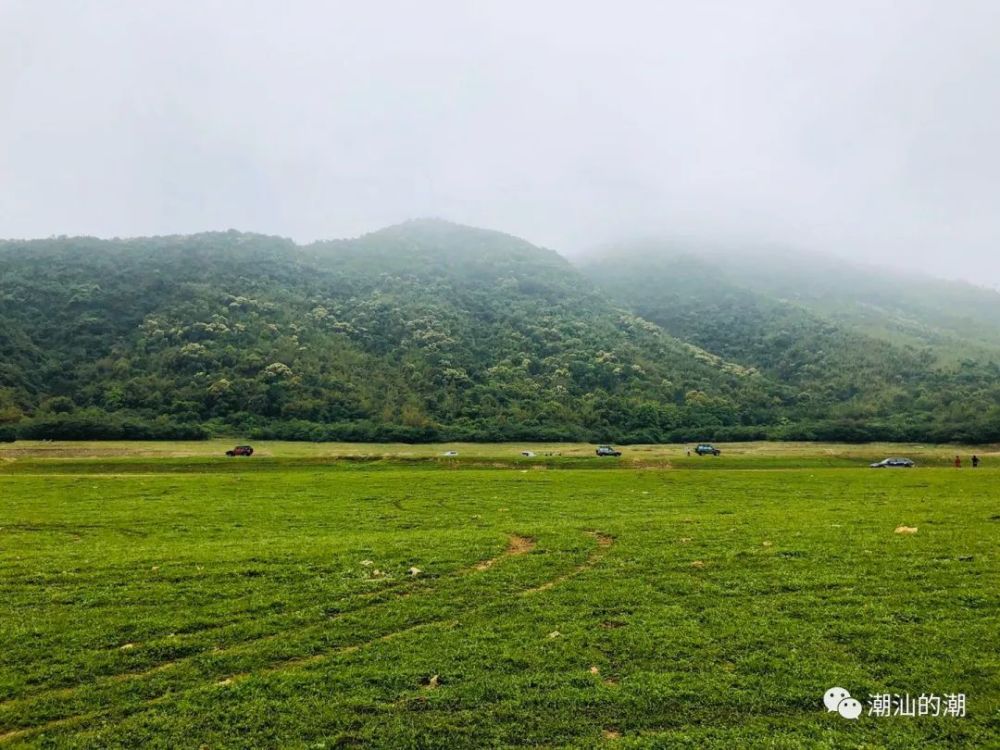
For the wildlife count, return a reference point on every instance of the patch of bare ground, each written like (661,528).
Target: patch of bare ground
(516,545)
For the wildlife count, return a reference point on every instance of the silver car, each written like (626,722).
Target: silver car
(893,463)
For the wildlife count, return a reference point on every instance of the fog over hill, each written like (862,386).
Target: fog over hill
(865,130)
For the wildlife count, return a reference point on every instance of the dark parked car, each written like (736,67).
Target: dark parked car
(893,463)
(607,450)
(240,450)
(707,450)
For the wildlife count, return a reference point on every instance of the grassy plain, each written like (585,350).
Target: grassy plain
(160,595)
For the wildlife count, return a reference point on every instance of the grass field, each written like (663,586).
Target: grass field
(160,595)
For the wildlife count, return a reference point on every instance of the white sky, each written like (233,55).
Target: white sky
(869,129)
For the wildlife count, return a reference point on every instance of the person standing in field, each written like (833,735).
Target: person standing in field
(975,462)
(958,462)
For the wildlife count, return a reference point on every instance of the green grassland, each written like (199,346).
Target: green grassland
(161,595)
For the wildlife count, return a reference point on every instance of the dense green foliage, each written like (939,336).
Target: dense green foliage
(429,331)
(847,373)
(206,602)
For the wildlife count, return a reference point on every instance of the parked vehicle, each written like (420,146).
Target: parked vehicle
(240,450)
(706,449)
(893,463)
(607,450)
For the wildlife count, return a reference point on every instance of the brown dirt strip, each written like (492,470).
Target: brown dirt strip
(517,545)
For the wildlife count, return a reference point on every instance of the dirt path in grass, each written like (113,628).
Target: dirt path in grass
(604,542)
(517,545)
(282,666)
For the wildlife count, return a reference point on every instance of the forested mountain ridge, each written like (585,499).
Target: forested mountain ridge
(421,331)
(429,330)
(810,323)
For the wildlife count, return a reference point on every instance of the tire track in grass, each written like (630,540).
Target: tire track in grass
(516,545)
(604,542)
(304,662)
(284,666)
(388,593)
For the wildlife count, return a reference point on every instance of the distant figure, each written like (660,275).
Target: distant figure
(689,453)
(958,462)
(975,462)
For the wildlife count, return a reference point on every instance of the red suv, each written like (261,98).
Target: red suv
(240,450)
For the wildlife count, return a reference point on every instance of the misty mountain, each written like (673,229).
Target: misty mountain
(855,342)
(951,320)
(954,319)
(429,330)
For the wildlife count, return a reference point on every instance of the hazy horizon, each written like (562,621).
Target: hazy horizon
(861,130)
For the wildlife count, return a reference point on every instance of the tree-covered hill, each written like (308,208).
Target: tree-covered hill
(859,346)
(421,331)
(428,330)
(955,319)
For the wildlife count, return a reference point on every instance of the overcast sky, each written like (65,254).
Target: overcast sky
(869,129)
